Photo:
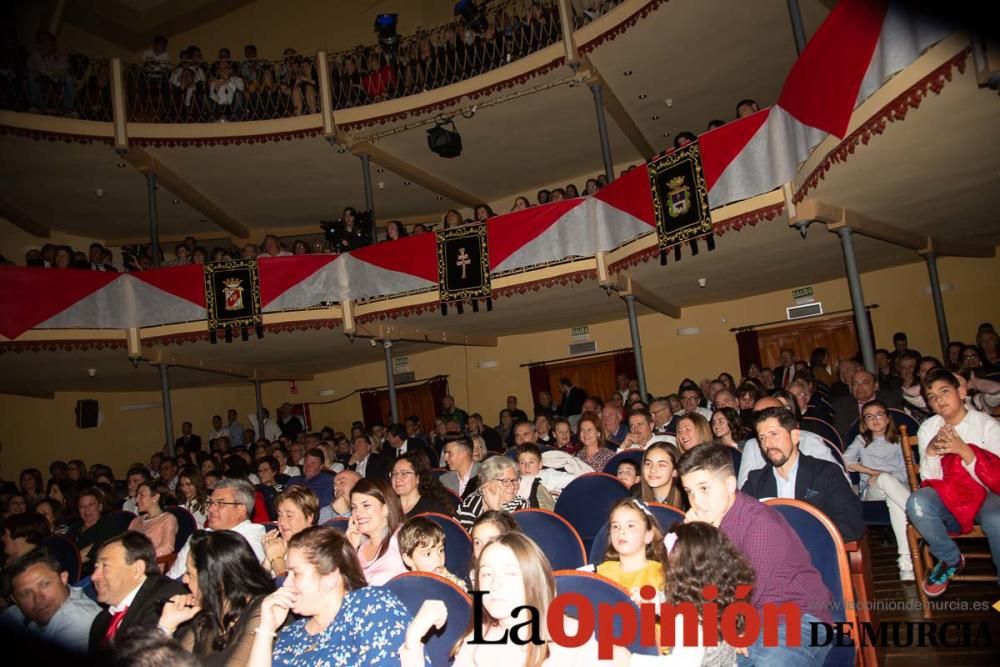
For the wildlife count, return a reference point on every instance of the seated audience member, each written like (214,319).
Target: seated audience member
(960,470)
(315,477)
(373,530)
(864,388)
(16,504)
(727,427)
(284,463)
(693,429)
(489,525)
(592,449)
(400,442)
(659,482)
(476,426)
(343,482)
(635,555)
(529,461)
(129,582)
(229,508)
(136,475)
(792,474)
(808,402)
(159,526)
(217,619)
(142,648)
(52,511)
(628,473)
(562,436)
(418,489)
(554,469)
(339,619)
(31,485)
(297,508)
(366,462)
(96,527)
(810,444)
(684,138)
(462,476)
(691,399)
(782,567)
(45,605)
(746,108)
(614,427)
(421,542)
(22,533)
(497,490)
(515,572)
(876,454)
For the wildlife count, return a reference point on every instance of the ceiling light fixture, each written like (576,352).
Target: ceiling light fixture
(380,170)
(439,197)
(406,182)
(642,96)
(656,117)
(175,202)
(627,72)
(121,165)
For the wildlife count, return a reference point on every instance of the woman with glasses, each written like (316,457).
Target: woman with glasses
(498,483)
(372,530)
(297,508)
(418,489)
(877,455)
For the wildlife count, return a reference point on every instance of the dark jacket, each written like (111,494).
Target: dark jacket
(144,612)
(379,466)
(846,412)
(821,484)
(190,441)
(573,402)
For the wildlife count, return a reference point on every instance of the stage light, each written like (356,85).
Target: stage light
(471,14)
(444,142)
(385,28)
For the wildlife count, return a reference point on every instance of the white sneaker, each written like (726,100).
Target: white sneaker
(906,569)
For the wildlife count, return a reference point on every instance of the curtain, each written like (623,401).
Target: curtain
(625,363)
(370,408)
(538,376)
(746,343)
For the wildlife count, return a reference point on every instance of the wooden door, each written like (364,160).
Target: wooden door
(836,334)
(595,375)
(412,401)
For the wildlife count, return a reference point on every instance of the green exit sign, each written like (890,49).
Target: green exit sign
(802,292)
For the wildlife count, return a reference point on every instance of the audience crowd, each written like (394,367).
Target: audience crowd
(273,544)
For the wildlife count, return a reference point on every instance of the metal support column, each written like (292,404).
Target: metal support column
(633,327)
(168,413)
(260,410)
(602,131)
(366,174)
(390,381)
(154,227)
(865,339)
(798,29)
(942,322)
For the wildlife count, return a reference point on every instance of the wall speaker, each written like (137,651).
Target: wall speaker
(86,413)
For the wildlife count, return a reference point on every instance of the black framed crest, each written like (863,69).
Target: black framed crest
(680,201)
(232,298)
(464,267)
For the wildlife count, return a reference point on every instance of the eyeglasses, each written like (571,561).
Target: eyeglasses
(875,416)
(509,483)
(219,503)
(401,474)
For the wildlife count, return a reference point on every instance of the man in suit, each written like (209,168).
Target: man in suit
(190,442)
(785,373)
(864,388)
(129,584)
(476,426)
(399,444)
(463,473)
(573,398)
(365,462)
(810,404)
(791,474)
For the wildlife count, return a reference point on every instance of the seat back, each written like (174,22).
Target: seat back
(413,588)
(823,429)
(556,537)
(338,523)
(586,501)
(838,455)
(634,455)
(666,516)
(457,543)
(66,552)
(902,419)
(600,590)
(186,524)
(87,586)
(121,519)
(829,556)
(909,444)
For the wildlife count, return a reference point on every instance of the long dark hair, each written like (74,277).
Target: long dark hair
(230,578)
(676,495)
(380,490)
(427,483)
(702,556)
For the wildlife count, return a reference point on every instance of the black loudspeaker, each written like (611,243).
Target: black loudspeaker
(446,143)
(86,413)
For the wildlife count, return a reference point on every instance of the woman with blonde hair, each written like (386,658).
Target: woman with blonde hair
(297,508)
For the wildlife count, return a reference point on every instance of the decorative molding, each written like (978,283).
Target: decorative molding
(47,135)
(198,142)
(60,345)
(613,33)
(896,110)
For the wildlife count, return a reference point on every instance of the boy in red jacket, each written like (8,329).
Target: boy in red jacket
(960,469)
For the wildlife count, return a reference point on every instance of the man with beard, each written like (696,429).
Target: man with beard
(791,474)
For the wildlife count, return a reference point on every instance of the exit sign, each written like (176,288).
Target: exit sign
(580,334)
(802,293)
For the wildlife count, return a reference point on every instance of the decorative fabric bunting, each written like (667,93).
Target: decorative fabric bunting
(464,267)
(232,298)
(680,201)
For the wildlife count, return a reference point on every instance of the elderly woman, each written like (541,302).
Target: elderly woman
(418,489)
(297,509)
(498,483)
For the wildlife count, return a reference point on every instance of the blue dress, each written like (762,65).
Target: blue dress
(368,632)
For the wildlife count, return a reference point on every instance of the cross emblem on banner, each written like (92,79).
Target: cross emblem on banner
(463,261)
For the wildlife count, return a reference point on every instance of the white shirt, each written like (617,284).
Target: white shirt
(656,438)
(253,533)
(271,430)
(223,92)
(69,627)
(786,486)
(221,433)
(810,444)
(362,466)
(977,428)
(129,599)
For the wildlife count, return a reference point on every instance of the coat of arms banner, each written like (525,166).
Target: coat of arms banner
(232,298)
(464,267)
(680,201)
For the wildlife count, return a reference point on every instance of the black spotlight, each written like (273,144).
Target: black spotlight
(444,142)
(385,27)
(473,16)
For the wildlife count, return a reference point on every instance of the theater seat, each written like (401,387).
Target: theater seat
(121,519)
(457,543)
(66,552)
(600,591)
(556,537)
(829,557)
(413,588)
(666,516)
(338,523)
(186,524)
(586,501)
(634,455)
(823,429)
